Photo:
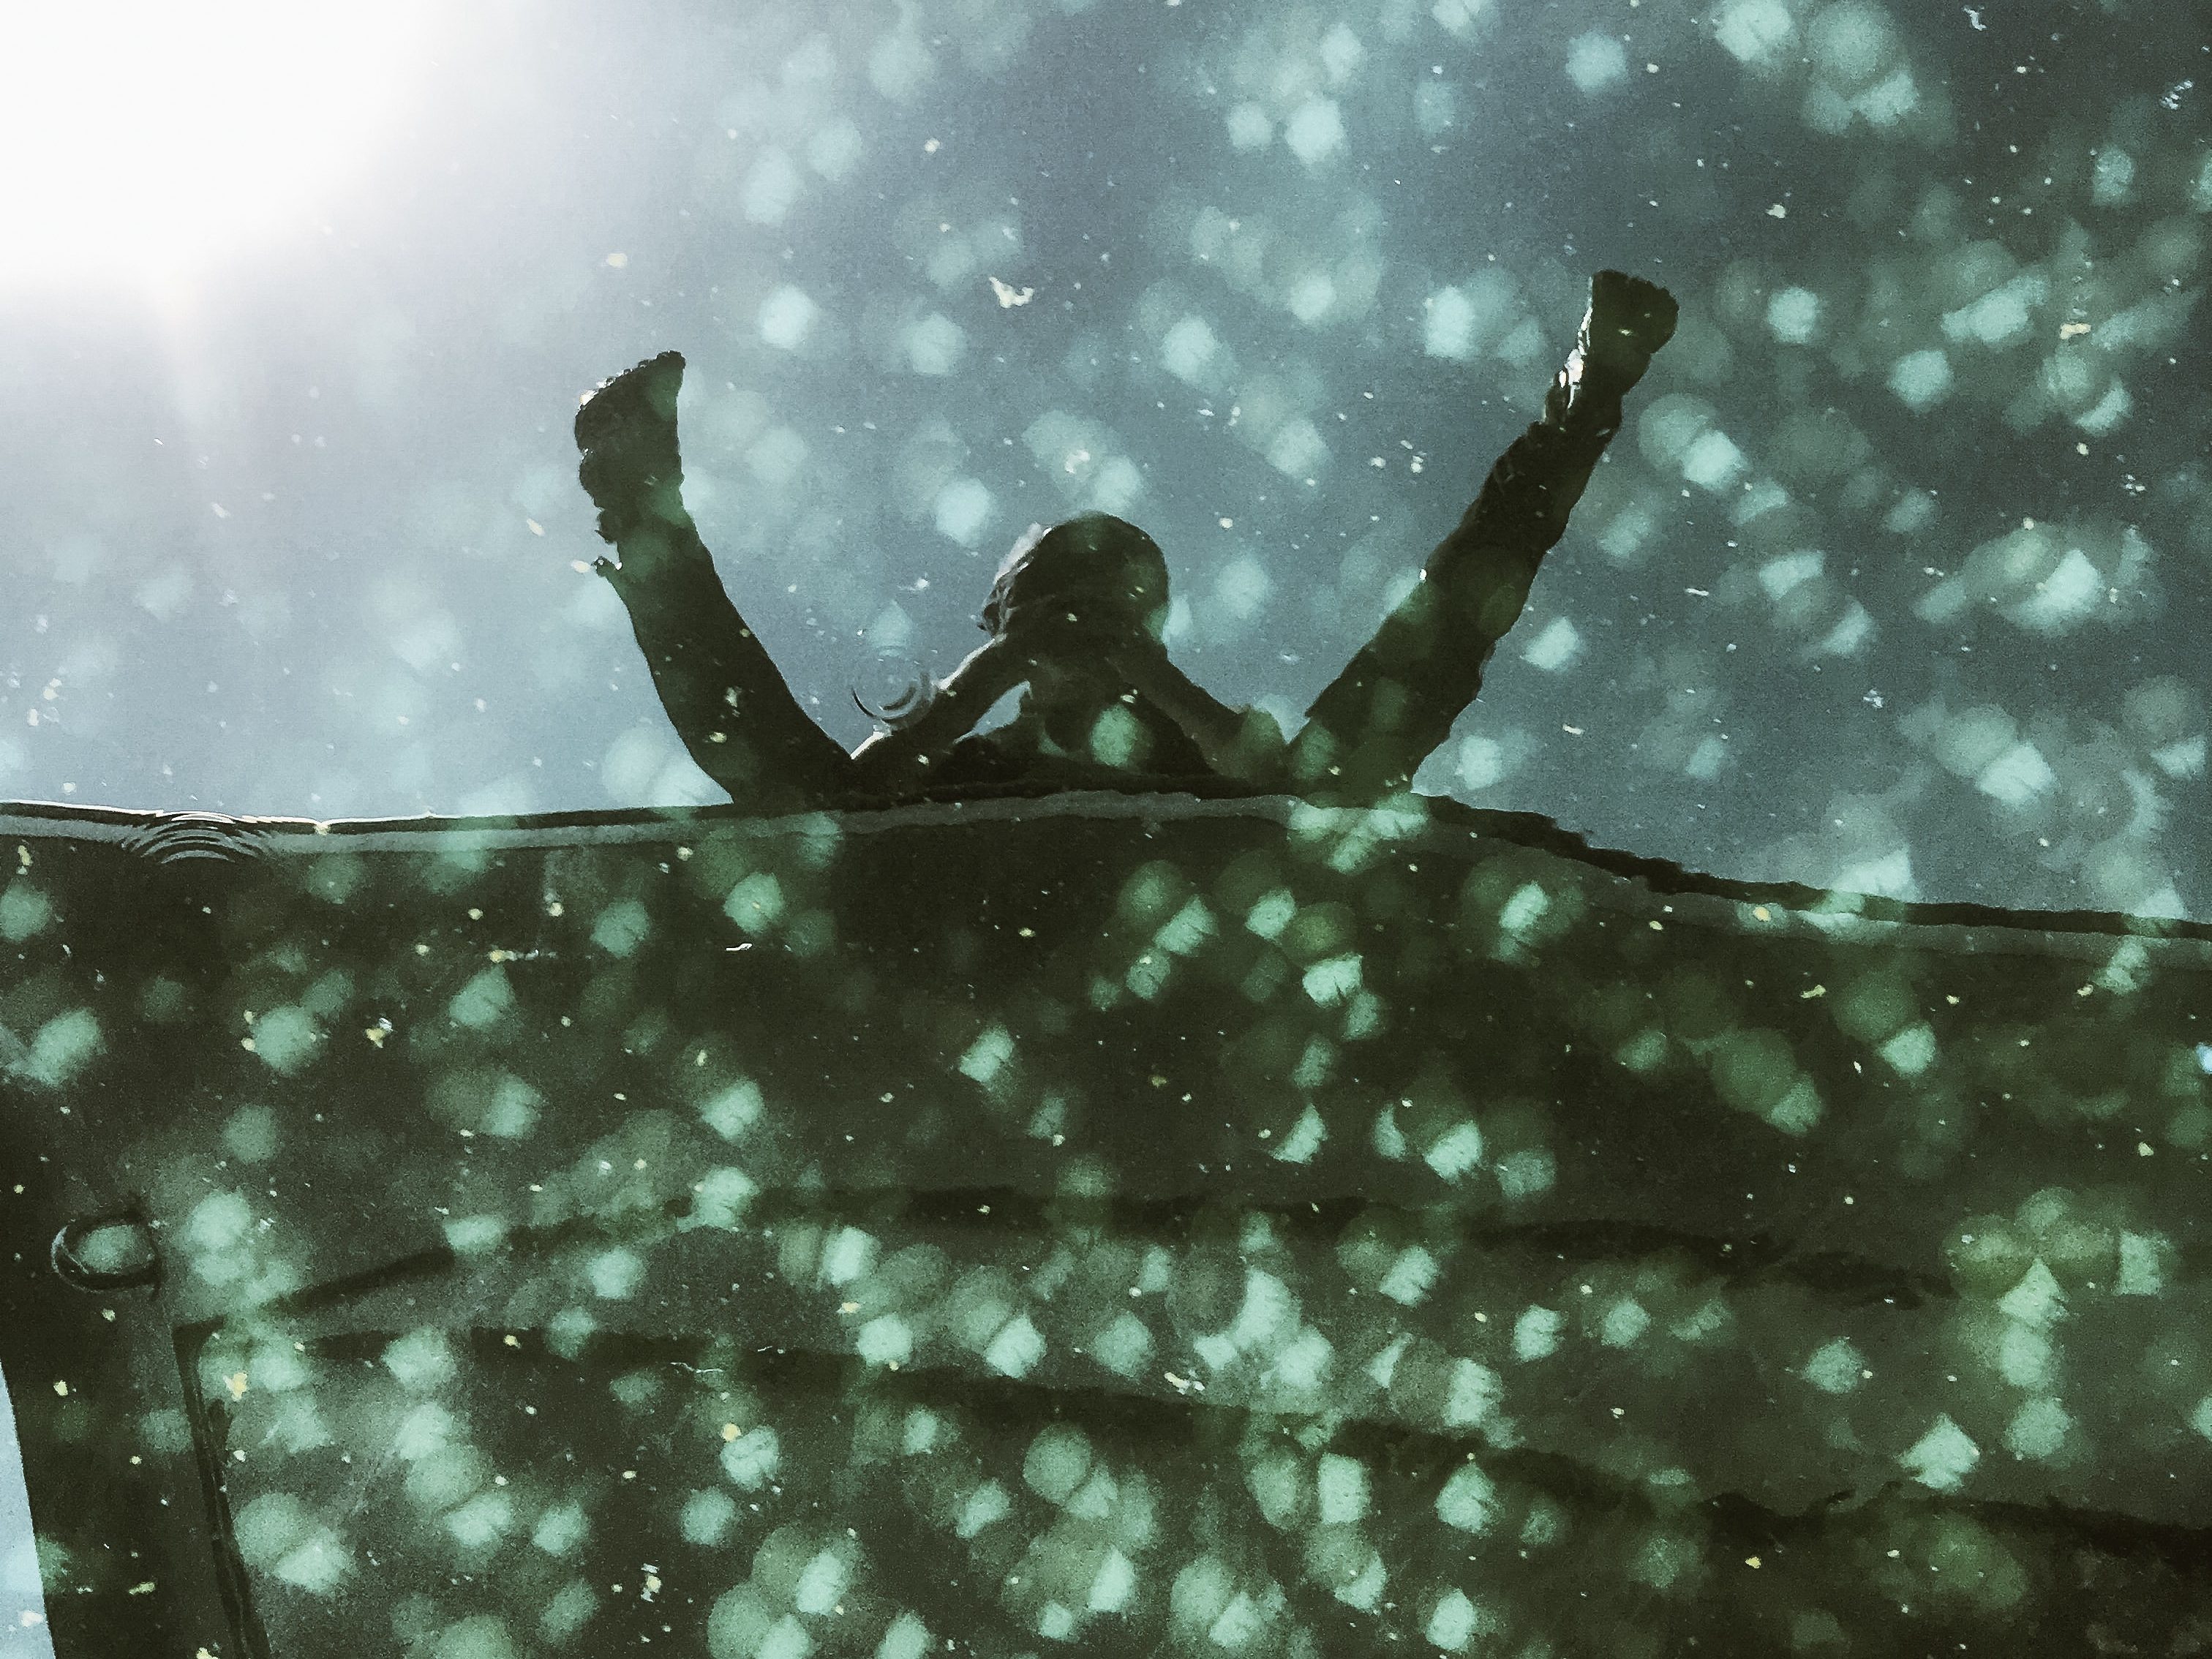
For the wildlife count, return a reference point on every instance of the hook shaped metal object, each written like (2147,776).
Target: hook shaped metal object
(110,1252)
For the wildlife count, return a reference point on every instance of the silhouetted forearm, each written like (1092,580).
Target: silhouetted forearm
(720,688)
(1367,732)
(717,682)
(1238,743)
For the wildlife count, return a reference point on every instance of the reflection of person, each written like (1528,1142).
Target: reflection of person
(717,682)
(1075,618)
(1396,700)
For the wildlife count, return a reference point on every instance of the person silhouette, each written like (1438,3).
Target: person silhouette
(1076,617)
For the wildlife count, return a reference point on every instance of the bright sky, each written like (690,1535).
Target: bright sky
(141,139)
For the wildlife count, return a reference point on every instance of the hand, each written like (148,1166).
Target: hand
(1629,319)
(626,431)
(1050,626)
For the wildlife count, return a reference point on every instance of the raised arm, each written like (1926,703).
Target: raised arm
(1370,730)
(721,689)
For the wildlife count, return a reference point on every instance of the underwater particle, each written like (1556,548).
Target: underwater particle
(1527,1174)
(615,1273)
(561,1530)
(907,1638)
(786,317)
(1058,1462)
(1469,1501)
(963,510)
(1340,1489)
(1536,1333)
(2037,1430)
(822,1581)
(64,1046)
(1456,1151)
(986,1505)
(1250,129)
(771,188)
(751,1460)
(1921,379)
(1456,1621)
(730,1112)
(706,1517)
(1714,462)
(1754,31)
(1187,349)
(1015,1351)
(1124,1346)
(422,1360)
(1835,1367)
(569,1612)
(1314,130)
(24,911)
(1596,61)
(987,1055)
(481,1636)
(1793,315)
(1624,1323)
(620,927)
(1554,649)
(934,344)
(1939,1458)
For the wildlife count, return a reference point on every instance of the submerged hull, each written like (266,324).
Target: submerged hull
(1101,1224)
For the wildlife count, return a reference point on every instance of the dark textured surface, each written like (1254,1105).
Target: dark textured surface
(1132,1223)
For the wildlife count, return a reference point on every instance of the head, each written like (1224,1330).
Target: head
(1107,573)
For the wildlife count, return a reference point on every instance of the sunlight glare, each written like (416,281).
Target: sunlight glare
(142,139)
